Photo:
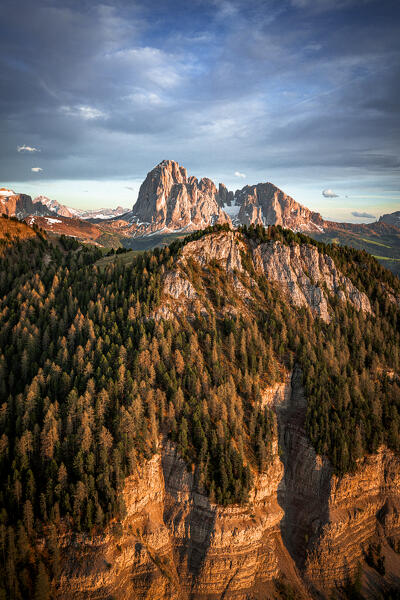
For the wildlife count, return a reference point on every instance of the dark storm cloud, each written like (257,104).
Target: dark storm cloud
(108,91)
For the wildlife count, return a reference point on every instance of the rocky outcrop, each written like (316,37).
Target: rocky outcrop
(304,272)
(16,205)
(265,204)
(223,247)
(169,199)
(45,206)
(179,294)
(304,275)
(176,286)
(391,219)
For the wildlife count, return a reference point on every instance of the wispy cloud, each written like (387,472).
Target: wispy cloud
(87,113)
(27,149)
(363,215)
(326,5)
(329,194)
(36,169)
(239,174)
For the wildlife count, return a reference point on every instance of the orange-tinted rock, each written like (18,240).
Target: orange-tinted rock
(265,204)
(169,199)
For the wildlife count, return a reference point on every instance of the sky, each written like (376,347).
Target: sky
(302,93)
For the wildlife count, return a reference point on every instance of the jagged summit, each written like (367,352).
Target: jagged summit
(54,206)
(391,218)
(266,204)
(169,199)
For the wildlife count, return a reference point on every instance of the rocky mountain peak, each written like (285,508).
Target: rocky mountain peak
(391,219)
(15,205)
(178,173)
(169,199)
(266,204)
(43,204)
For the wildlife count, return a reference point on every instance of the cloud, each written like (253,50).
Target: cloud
(36,169)
(239,174)
(326,5)
(329,194)
(363,215)
(27,149)
(128,187)
(84,112)
(318,104)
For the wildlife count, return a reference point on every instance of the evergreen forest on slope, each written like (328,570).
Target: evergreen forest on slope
(90,380)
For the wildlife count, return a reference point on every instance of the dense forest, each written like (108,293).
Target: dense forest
(90,380)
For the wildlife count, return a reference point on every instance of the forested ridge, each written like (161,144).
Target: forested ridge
(89,381)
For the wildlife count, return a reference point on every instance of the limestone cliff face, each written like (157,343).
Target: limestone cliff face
(174,544)
(223,552)
(22,205)
(304,272)
(301,521)
(169,199)
(329,521)
(359,507)
(265,204)
(223,247)
(133,559)
(16,205)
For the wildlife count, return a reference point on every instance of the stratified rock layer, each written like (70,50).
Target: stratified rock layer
(300,521)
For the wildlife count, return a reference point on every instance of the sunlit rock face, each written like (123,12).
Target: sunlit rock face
(170,200)
(266,204)
(306,275)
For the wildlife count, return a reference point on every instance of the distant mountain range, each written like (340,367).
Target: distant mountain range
(171,203)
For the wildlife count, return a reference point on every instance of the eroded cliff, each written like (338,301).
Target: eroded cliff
(301,524)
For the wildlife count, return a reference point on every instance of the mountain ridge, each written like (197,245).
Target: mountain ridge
(171,202)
